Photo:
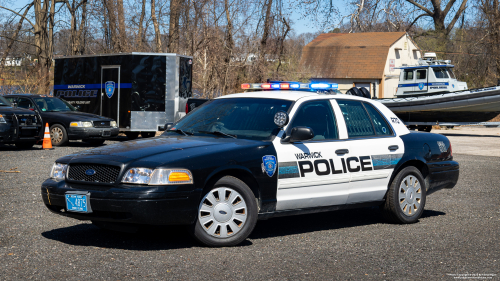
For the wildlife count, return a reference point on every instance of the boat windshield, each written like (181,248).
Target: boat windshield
(440,72)
(452,74)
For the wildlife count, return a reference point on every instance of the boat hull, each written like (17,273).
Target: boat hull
(469,106)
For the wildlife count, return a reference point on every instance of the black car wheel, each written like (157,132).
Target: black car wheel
(148,134)
(132,135)
(227,214)
(25,145)
(406,197)
(58,135)
(94,141)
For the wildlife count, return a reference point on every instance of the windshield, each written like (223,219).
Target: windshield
(4,102)
(246,118)
(452,74)
(53,104)
(440,72)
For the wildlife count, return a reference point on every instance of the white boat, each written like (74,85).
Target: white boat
(430,92)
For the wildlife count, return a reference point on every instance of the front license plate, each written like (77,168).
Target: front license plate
(106,133)
(78,202)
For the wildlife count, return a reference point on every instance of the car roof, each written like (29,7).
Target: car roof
(289,95)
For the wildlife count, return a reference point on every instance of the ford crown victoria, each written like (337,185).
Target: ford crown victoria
(251,156)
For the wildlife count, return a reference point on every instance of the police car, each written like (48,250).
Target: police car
(256,155)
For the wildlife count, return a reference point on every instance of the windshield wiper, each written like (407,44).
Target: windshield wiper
(218,133)
(179,131)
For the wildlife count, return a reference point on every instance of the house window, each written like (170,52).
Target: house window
(415,55)
(398,56)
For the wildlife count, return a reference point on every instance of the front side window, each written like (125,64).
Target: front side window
(408,74)
(440,72)
(6,101)
(245,118)
(317,115)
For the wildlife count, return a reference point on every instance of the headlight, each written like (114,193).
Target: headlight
(58,171)
(2,120)
(158,176)
(113,124)
(85,124)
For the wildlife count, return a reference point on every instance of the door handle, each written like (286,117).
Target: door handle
(393,147)
(341,151)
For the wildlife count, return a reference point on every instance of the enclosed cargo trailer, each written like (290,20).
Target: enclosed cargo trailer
(141,91)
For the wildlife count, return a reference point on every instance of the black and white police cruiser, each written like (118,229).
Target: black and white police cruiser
(256,155)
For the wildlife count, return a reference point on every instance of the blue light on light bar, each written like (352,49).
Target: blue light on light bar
(294,86)
(335,86)
(319,86)
(275,86)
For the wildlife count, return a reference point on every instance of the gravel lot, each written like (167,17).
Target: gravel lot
(458,234)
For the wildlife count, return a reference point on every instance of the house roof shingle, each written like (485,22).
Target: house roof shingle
(349,55)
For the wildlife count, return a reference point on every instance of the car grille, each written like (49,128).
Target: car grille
(102,124)
(26,120)
(102,173)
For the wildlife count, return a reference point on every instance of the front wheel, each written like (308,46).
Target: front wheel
(58,135)
(227,214)
(406,197)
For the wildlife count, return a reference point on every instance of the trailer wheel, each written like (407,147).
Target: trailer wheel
(132,135)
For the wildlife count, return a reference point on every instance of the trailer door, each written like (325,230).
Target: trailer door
(110,92)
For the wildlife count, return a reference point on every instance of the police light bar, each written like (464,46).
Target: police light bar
(290,86)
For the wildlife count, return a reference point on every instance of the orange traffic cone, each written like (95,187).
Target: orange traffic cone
(47,143)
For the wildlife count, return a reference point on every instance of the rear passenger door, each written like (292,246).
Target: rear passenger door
(309,172)
(374,150)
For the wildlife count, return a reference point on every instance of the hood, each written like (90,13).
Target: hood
(10,110)
(155,150)
(78,116)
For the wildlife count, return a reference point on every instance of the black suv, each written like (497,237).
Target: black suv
(65,121)
(19,126)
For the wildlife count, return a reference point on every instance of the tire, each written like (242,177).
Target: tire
(365,92)
(148,134)
(94,141)
(58,135)
(132,135)
(405,207)
(25,145)
(229,220)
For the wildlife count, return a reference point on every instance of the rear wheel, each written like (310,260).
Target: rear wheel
(58,135)
(25,145)
(132,135)
(227,214)
(406,197)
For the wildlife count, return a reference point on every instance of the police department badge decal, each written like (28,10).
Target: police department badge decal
(269,164)
(110,88)
(421,86)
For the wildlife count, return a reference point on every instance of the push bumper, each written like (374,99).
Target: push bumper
(77,133)
(12,134)
(443,175)
(137,205)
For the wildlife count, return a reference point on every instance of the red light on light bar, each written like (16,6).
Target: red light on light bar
(284,86)
(265,86)
(245,86)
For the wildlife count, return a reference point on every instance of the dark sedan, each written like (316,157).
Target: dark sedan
(18,126)
(65,121)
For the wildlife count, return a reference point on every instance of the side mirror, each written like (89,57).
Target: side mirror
(78,107)
(301,133)
(14,104)
(168,126)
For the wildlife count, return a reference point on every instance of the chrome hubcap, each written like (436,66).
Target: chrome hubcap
(410,195)
(222,212)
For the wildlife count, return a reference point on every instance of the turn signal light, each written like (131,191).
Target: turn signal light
(178,176)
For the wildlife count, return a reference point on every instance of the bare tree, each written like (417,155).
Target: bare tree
(438,14)
(77,46)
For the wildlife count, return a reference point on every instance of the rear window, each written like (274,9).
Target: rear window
(363,120)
